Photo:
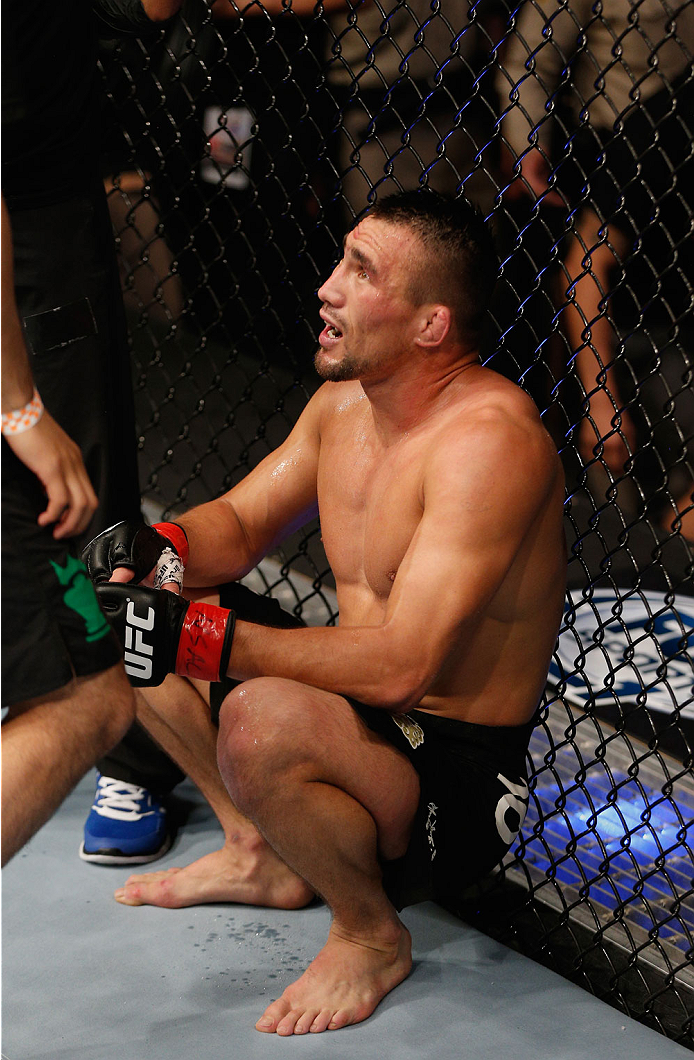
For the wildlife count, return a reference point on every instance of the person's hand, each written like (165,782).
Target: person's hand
(123,575)
(603,438)
(164,634)
(154,556)
(57,462)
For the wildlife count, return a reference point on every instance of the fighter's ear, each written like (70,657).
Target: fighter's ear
(435,325)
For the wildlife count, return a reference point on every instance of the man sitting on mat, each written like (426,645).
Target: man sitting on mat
(382,761)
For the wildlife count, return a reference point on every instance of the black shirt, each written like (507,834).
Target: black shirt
(51,93)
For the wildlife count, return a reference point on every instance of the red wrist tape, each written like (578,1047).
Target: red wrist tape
(205,642)
(177,536)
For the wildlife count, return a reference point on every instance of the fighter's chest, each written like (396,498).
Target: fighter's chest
(370,506)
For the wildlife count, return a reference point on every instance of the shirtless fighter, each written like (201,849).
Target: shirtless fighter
(380,762)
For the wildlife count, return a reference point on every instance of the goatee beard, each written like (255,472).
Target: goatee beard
(339,372)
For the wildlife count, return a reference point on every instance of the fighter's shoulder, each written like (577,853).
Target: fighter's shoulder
(497,424)
(333,400)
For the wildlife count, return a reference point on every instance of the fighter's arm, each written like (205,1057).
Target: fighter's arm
(223,539)
(227,537)
(481,493)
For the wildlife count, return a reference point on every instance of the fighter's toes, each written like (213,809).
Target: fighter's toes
(328,1020)
(297,1021)
(305,1021)
(148,877)
(280,1018)
(270,1019)
(145,889)
(301,1021)
(125,899)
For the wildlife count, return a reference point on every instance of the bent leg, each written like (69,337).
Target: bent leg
(49,743)
(330,796)
(245,869)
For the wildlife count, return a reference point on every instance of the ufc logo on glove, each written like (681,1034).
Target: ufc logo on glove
(138,653)
(162,633)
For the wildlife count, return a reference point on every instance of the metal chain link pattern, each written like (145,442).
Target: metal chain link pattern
(240,144)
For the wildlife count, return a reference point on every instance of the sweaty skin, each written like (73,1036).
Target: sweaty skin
(491,662)
(440,497)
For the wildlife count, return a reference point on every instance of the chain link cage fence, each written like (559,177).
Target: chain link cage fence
(239,144)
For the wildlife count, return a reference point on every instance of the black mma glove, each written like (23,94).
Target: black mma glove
(162,633)
(138,547)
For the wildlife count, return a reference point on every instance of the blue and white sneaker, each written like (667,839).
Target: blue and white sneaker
(127,825)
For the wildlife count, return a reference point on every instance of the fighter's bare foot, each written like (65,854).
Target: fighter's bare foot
(341,986)
(255,877)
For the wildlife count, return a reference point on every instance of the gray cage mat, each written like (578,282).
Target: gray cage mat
(85,978)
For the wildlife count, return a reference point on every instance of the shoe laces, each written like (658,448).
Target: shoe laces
(120,801)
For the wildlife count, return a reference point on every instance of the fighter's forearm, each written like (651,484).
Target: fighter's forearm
(164,633)
(219,550)
(369,663)
(389,666)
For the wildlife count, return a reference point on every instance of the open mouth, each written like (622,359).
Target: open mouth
(329,335)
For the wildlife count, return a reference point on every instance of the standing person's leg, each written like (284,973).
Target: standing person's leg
(63,682)
(129,823)
(592,337)
(332,798)
(71,304)
(150,286)
(50,742)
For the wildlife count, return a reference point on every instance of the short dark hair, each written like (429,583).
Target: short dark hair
(460,265)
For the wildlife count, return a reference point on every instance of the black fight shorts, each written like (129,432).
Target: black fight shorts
(472,803)
(52,626)
(473,782)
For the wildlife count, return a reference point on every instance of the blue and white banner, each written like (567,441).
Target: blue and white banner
(626,646)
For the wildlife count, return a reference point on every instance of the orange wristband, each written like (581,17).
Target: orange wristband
(23,419)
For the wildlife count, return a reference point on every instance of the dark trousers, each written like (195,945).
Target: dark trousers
(69,298)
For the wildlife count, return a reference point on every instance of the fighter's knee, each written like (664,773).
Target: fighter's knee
(257,733)
(261,703)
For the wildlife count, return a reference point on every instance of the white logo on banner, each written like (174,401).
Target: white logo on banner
(639,649)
